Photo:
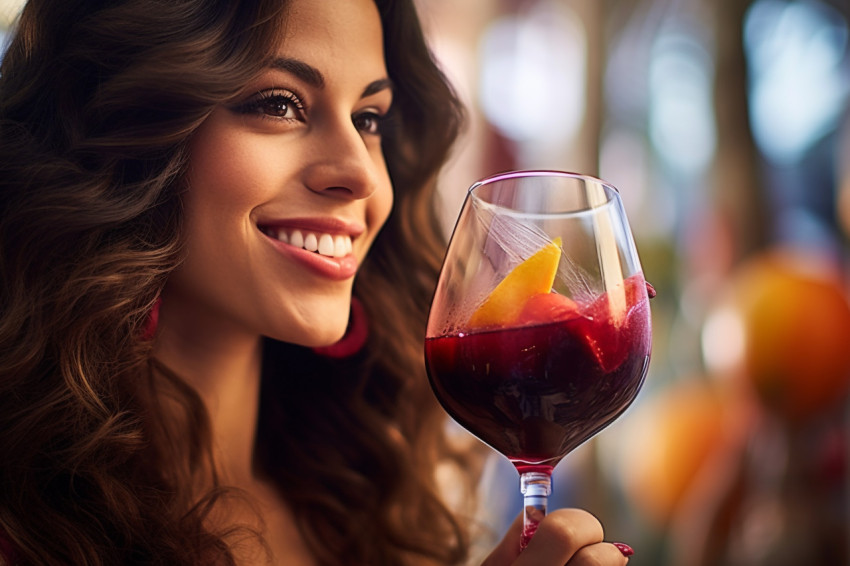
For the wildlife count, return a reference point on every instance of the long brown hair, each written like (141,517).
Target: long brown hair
(98,100)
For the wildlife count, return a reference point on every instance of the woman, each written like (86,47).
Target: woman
(188,190)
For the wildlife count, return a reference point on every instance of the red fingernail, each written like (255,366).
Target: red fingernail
(624,548)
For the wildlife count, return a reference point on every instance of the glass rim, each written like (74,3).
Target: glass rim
(613,194)
(517,173)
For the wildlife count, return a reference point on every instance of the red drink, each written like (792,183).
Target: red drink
(537,391)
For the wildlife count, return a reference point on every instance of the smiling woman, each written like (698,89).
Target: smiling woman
(194,195)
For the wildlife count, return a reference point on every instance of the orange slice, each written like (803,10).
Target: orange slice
(532,277)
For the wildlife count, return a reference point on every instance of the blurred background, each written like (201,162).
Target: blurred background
(725,126)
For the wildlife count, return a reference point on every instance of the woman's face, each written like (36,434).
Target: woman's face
(288,186)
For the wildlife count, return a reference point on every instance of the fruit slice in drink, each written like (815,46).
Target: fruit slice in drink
(532,277)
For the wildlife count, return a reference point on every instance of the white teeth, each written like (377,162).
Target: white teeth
(340,247)
(311,243)
(325,244)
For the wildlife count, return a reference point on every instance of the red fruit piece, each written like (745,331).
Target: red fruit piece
(611,334)
(547,307)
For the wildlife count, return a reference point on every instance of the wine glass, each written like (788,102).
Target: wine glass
(539,331)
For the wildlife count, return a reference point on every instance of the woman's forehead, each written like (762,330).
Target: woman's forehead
(345,29)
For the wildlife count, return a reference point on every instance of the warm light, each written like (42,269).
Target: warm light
(723,340)
(533,65)
(9,10)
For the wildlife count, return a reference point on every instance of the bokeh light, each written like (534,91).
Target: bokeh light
(681,117)
(800,74)
(533,73)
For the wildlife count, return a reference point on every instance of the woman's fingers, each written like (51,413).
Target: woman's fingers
(565,536)
(560,536)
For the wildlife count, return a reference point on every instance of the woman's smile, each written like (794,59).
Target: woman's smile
(328,245)
(323,245)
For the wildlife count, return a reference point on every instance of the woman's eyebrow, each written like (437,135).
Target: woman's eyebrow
(304,71)
(377,86)
(314,77)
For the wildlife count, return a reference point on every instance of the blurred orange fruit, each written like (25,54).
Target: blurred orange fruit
(673,435)
(533,276)
(796,324)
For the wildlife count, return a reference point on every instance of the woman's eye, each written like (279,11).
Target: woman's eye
(369,122)
(273,104)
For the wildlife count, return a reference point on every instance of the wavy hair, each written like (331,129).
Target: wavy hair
(98,100)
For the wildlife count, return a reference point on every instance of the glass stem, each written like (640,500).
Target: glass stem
(535,487)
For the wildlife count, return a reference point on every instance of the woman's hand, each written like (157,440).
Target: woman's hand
(565,537)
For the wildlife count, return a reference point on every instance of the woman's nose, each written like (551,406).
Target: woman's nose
(343,164)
